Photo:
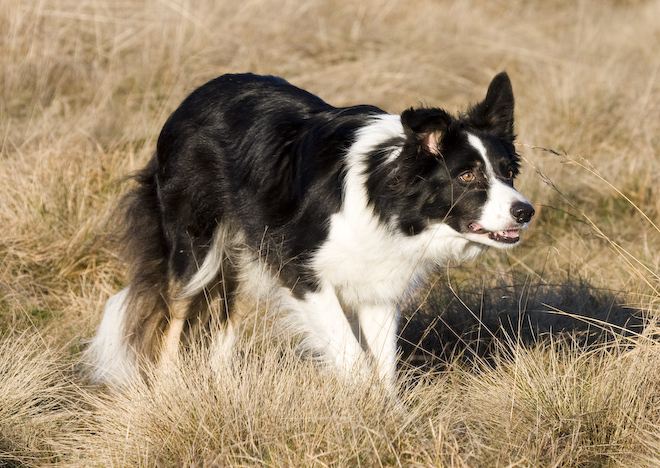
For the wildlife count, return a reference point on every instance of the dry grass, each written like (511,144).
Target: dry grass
(37,411)
(554,405)
(85,87)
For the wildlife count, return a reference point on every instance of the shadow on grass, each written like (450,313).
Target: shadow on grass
(476,318)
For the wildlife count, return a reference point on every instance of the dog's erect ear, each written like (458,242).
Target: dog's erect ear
(427,124)
(495,113)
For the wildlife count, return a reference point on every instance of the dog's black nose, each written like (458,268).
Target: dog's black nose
(522,212)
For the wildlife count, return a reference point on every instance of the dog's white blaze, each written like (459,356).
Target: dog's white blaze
(108,353)
(496,214)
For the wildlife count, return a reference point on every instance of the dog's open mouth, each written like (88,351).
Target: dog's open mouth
(510,236)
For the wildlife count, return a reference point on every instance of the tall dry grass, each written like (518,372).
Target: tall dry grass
(37,409)
(552,405)
(85,87)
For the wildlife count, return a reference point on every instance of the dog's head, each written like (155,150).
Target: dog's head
(459,171)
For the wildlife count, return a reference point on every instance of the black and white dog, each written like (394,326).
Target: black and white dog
(260,189)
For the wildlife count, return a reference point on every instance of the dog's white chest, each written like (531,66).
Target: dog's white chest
(364,263)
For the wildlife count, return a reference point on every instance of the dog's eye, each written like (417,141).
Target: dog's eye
(467,176)
(510,174)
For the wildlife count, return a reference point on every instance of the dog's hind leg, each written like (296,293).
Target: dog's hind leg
(189,300)
(179,311)
(222,346)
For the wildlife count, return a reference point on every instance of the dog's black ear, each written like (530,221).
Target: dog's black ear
(426,124)
(495,113)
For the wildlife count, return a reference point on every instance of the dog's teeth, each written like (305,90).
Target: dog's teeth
(510,236)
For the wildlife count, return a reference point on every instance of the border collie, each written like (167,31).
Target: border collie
(338,211)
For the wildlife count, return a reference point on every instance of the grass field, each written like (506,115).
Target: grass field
(547,356)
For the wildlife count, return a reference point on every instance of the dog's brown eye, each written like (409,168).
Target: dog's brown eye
(467,176)
(510,174)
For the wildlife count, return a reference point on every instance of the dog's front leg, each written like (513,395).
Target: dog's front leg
(329,331)
(379,327)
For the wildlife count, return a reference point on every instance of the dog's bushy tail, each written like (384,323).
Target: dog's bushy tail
(142,245)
